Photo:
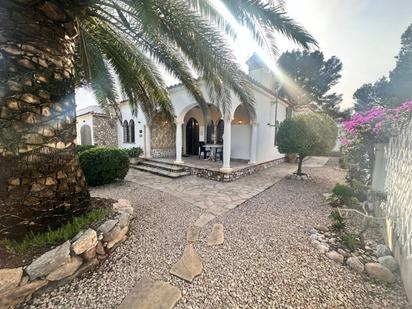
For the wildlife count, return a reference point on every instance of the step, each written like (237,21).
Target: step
(160,172)
(162,165)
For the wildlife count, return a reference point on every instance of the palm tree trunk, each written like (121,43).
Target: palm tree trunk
(40,176)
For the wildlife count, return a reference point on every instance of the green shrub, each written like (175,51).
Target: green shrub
(104,165)
(55,237)
(338,222)
(307,135)
(342,191)
(351,241)
(81,148)
(134,152)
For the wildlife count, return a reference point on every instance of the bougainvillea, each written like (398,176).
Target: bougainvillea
(376,125)
(362,132)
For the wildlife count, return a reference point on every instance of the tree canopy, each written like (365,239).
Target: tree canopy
(186,37)
(307,134)
(313,77)
(393,90)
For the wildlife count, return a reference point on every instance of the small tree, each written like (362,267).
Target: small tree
(307,134)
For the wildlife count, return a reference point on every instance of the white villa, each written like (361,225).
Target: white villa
(241,140)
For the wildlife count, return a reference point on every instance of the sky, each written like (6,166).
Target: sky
(363,34)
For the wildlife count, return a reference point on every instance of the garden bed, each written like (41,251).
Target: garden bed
(21,252)
(72,256)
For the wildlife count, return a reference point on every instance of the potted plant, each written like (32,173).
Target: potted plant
(134,154)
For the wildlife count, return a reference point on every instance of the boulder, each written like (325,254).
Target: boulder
(49,261)
(322,228)
(89,254)
(354,263)
(380,272)
(66,269)
(10,278)
(389,262)
(107,226)
(124,219)
(334,256)
(116,235)
(18,294)
(100,248)
(382,250)
(322,248)
(343,252)
(85,241)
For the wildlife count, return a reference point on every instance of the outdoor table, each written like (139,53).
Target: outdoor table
(213,150)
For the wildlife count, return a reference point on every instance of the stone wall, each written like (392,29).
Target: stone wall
(67,261)
(163,137)
(395,166)
(236,174)
(104,131)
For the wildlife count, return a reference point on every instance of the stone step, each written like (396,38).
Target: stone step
(188,266)
(162,165)
(150,294)
(216,237)
(160,172)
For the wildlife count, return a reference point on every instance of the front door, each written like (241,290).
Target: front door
(192,137)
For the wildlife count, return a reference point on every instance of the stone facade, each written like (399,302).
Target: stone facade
(104,131)
(163,137)
(236,174)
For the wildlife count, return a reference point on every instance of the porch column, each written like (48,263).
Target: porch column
(253,144)
(148,146)
(179,142)
(227,143)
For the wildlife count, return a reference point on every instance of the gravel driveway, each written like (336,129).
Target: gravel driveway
(265,262)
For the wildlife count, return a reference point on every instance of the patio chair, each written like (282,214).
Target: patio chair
(219,154)
(202,149)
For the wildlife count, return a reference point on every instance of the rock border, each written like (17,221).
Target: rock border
(67,261)
(377,263)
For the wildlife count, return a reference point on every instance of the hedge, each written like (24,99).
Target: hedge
(104,165)
(81,148)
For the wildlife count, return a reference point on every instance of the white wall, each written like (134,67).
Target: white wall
(240,142)
(80,121)
(139,123)
(265,111)
(183,103)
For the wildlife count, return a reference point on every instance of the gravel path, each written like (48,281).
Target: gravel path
(265,262)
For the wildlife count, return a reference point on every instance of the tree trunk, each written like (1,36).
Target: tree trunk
(41,182)
(300,161)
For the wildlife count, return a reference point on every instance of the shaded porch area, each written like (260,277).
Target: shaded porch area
(195,162)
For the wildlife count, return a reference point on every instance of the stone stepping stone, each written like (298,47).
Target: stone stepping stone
(204,219)
(150,294)
(216,237)
(192,234)
(189,266)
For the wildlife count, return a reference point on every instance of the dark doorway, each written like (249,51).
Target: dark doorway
(220,130)
(192,137)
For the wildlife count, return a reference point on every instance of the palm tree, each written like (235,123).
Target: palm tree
(48,47)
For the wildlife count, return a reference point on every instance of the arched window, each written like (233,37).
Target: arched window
(210,132)
(126,137)
(85,135)
(131,129)
(220,129)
